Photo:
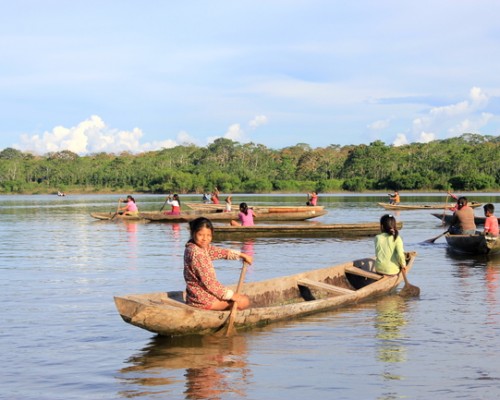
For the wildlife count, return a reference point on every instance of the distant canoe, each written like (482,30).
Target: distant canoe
(108,216)
(272,300)
(300,230)
(448,218)
(473,244)
(228,216)
(388,206)
(271,208)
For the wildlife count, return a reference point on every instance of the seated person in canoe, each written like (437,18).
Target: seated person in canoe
(245,216)
(130,208)
(203,290)
(389,250)
(462,222)
(491,222)
(312,199)
(394,198)
(175,204)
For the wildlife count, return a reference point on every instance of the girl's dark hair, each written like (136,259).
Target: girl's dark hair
(131,198)
(244,208)
(462,201)
(199,223)
(176,197)
(389,226)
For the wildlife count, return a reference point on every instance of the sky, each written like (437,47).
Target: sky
(120,75)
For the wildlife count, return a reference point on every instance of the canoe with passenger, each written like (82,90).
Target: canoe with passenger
(186,216)
(388,206)
(114,216)
(300,230)
(447,218)
(272,300)
(473,244)
(257,209)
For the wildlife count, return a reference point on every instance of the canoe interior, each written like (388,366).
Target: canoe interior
(272,300)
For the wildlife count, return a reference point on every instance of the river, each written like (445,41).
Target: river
(62,338)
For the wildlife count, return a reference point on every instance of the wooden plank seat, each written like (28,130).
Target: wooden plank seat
(309,283)
(361,272)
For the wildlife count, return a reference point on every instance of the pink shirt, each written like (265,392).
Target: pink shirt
(131,206)
(246,219)
(491,225)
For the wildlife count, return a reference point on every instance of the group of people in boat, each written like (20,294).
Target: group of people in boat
(463,223)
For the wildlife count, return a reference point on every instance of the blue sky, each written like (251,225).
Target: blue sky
(113,76)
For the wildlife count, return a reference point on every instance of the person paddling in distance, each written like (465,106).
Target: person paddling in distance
(389,249)
(491,222)
(175,204)
(130,208)
(203,290)
(245,216)
(462,222)
(394,198)
(312,199)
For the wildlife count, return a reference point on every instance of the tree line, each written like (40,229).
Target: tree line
(466,163)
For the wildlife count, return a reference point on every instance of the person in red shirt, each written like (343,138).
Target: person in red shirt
(491,222)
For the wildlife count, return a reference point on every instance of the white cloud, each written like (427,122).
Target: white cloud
(400,140)
(89,136)
(379,125)
(426,137)
(258,121)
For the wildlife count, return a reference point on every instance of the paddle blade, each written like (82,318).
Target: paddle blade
(409,290)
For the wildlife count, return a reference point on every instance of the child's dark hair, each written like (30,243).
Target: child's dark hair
(489,207)
(462,201)
(389,226)
(131,198)
(199,223)
(244,208)
(176,197)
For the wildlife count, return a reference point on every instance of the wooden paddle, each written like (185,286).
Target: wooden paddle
(161,209)
(234,308)
(436,238)
(117,209)
(409,290)
(444,211)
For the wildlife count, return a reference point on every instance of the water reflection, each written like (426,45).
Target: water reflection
(391,317)
(210,367)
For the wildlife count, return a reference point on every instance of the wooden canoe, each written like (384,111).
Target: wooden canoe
(282,298)
(300,230)
(187,216)
(448,218)
(271,208)
(473,244)
(108,216)
(388,206)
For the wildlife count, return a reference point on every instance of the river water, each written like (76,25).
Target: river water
(61,337)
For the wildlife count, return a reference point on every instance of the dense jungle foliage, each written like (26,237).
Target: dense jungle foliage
(468,163)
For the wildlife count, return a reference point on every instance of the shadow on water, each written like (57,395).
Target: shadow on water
(207,367)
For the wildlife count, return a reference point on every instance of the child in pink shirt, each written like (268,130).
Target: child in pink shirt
(491,222)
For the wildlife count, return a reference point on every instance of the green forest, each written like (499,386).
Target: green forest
(467,163)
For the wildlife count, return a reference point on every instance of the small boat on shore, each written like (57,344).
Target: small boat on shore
(473,244)
(388,206)
(281,298)
(187,216)
(257,209)
(300,230)
(448,217)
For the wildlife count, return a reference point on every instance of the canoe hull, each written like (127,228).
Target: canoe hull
(111,216)
(473,244)
(447,219)
(388,206)
(297,230)
(282,298)
(221,207)
(228,216)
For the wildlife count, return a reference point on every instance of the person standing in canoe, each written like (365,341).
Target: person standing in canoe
(228,206)
(203,290)
(389,249)
(491,222)
(462,222)
(130,208)
(215,196)
(394,198)
(245,216)
(175,203)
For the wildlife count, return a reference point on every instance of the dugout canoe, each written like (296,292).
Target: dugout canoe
(187,216)
(388,206)
(449,217)
(257,209)
(300,230)
(108,216)
(473,244)
(281,298)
